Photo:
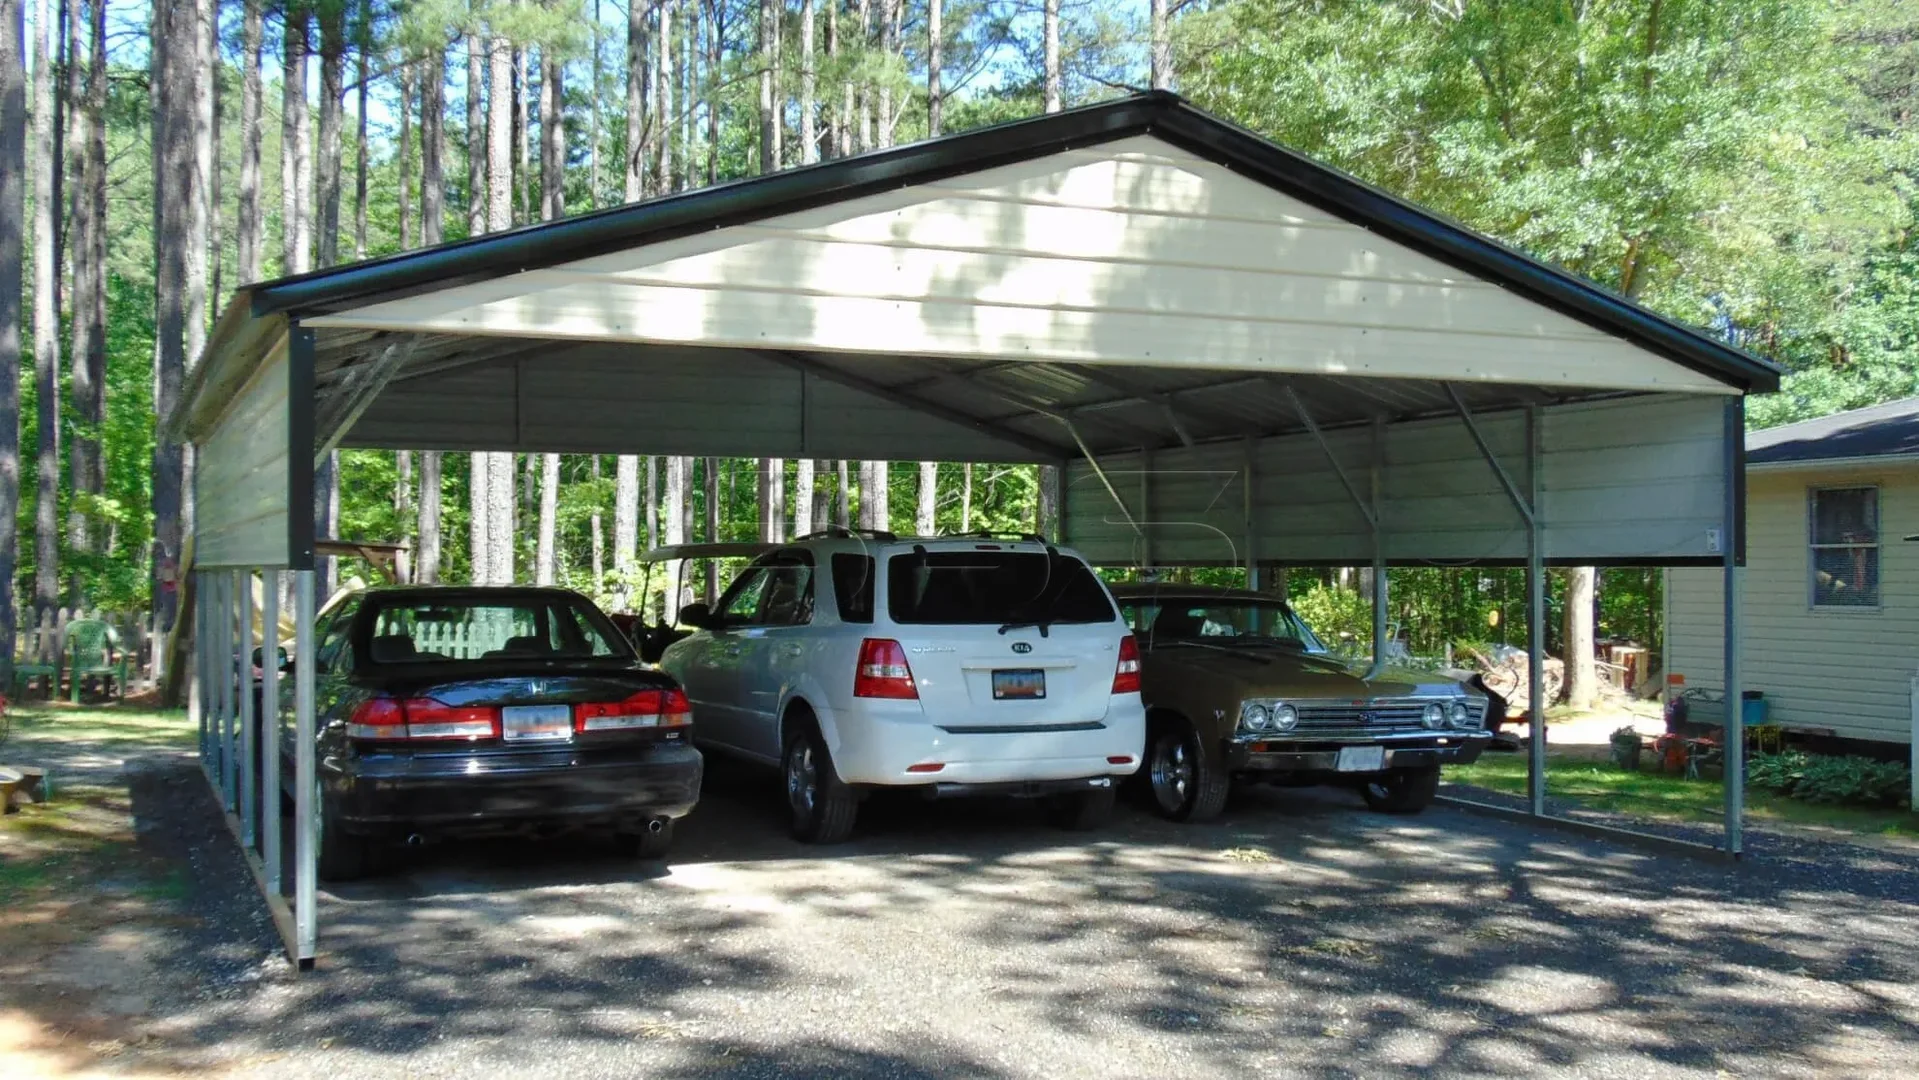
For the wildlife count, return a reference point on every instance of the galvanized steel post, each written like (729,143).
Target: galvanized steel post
(306,809)
(1535,621)
(1732,541)
(270,728)
(249,725)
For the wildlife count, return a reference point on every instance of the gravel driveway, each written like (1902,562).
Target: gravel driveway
(1300,936)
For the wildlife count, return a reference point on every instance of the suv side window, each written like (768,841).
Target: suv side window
(853,586)
(788,597)
(742,600)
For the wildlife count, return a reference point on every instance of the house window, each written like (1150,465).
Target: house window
(1845,547)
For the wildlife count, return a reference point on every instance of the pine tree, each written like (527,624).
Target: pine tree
(46,319)
(13,211)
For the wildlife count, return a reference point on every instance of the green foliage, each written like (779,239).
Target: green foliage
(1832,779)
(1339,616)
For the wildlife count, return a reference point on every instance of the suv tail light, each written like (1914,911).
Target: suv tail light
(882,671)
(1126,675)
(422,719)
(646,709)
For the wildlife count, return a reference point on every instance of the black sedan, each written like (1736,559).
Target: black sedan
(490,710)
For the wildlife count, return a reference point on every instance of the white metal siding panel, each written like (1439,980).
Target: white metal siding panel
(1439,498)
(1128,253)
(240,475)
(626,399)
(1849,671)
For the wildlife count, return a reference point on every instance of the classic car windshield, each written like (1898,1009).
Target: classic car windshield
(1211,620)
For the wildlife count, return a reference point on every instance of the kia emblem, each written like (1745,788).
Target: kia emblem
(1022,647)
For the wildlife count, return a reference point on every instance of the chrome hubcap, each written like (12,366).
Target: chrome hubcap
(1172,772)
(802,780)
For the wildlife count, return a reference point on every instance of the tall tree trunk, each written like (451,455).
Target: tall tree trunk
(636,79)
(843,107)
(593,154)
(689,91)
(1162,33)
(663,102)
(296,215)
(46,319)
(772,492)
(866,89)
(1582,674)
(809,123)
(769,45)
(882,496)
(433,150)
(476,143)
(926,512)
(427,566)
(711,468)
(966,498)
(478,533)
(546,560)
(332,109)
(599,534)
(522,142)
(843,498)
(714,95)
(13,211)
(865,488)
(626,511)
(552,137)
(1046,514)
(89,361)
(1050,22)
(403,165)
(650,509)
(822,496)
(935,45)
(802,496)
(674,517)
(248,223)
(363,72)
(403,511)
(889,45)
(499,217)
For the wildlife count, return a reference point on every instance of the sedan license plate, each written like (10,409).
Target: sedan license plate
(1361,759)
(1019,684)
(536,723)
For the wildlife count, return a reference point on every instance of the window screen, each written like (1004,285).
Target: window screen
(1845,547)
(993,587)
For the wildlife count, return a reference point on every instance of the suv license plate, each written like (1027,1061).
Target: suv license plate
(1021,684)
(536,723)
(1361,759)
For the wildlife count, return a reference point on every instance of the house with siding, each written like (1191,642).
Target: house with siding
(1830,612)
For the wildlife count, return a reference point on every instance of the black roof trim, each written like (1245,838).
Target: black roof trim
(1889,429)
(1158,113)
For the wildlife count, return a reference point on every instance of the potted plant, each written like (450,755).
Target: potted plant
(1625,748)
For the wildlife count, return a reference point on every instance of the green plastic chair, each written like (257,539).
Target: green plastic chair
(93,649)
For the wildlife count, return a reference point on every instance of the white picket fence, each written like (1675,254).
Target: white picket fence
(465,640)
(42,639)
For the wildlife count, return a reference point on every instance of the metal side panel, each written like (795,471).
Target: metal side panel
(241,474)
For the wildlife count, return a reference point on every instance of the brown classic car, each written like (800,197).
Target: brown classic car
(1239,690)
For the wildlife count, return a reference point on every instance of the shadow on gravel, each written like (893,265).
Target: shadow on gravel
(1299,932)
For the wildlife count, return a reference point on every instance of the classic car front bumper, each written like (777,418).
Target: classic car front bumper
(1414,750)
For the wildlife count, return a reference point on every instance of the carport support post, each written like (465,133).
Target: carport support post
(1535,623)
(249,753)
(1732,542)
(220,667)
(270,728)
(195,681)
(305,857)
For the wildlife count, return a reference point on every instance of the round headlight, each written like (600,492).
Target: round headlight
(1285,717)
(1435,715)
(1458,715)
(1254,717)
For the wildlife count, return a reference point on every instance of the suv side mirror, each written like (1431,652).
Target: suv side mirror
(697,615)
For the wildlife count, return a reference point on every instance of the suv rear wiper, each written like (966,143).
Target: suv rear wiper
(1043,624)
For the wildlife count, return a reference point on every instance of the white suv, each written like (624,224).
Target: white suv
(973,665)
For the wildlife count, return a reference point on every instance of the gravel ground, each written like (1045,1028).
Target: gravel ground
(1299,936)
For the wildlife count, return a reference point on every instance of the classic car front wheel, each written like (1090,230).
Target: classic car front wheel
(1402,791)
(1186,784)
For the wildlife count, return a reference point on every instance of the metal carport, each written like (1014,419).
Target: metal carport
(1237,355)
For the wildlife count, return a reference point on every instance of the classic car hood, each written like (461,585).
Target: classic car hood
(1288,674)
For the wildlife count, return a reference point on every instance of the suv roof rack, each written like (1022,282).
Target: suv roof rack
(837,532)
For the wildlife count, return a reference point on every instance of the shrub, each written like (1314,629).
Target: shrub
(1831,779)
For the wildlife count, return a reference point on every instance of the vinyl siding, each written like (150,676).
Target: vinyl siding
(1846,670)
(1130,252)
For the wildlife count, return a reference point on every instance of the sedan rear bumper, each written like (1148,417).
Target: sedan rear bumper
(380,793)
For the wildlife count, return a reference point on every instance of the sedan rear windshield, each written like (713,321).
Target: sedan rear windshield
(993,588)
(460,629)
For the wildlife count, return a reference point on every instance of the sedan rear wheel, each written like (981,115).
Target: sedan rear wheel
(1186,784)
(342,855)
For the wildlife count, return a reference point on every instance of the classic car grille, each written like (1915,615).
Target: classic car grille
(1344,720)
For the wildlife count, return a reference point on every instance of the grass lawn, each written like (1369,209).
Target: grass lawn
(124,727)
(1654,795)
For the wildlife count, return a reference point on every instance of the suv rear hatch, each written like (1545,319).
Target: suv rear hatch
(1004,638)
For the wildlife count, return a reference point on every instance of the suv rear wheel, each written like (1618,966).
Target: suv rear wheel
(1402,791)
(1186,784)
(823,807)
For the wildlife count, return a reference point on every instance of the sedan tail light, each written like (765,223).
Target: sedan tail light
(1126,674)
(422,720)
(882,671)
(646,709)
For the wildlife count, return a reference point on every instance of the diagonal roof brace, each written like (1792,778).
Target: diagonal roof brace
(1520,502)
